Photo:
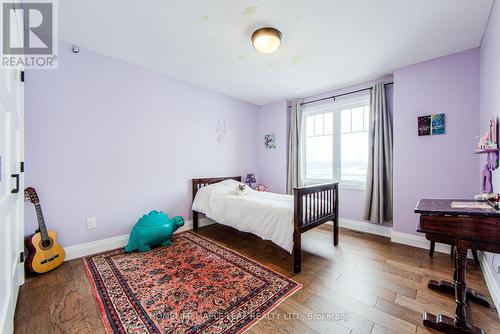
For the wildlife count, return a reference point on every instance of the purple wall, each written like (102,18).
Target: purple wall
(272,163)
(490,92)
(111,140)
(441,166)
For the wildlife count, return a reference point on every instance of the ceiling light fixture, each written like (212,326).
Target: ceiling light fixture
(266,40)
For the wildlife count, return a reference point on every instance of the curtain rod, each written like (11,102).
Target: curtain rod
(343,94)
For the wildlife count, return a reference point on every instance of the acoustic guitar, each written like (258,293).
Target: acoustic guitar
(44,253)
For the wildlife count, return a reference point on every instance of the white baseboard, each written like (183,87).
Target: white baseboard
(93,247)
(489,277)
(418,241)
(397,237)
(365,227)
(102,245)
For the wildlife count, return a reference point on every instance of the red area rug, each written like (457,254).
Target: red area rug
(191,286)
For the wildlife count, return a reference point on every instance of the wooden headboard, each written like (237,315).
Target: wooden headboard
(200,183)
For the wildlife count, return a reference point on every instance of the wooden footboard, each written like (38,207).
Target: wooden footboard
(313,206)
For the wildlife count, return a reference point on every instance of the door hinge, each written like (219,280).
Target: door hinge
(21,257)
(21,166)
(22,76)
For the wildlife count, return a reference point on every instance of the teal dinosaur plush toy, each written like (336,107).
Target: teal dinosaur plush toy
(153,229)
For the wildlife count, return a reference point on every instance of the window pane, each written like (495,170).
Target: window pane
(319,155)
(354,156)
(357,119)
(310,126)
(345,121)
(328,123)
(318,125)
(367,118)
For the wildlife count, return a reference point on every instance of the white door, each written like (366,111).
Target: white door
(11,202)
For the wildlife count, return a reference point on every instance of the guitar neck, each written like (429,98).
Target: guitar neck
(41,222)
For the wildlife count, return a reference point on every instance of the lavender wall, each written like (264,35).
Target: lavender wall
(490,93)
(111,140)
(441,166)
(272,163)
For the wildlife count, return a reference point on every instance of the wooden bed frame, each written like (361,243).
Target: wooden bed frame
(313,206)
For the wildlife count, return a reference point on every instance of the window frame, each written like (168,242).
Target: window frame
(336,108)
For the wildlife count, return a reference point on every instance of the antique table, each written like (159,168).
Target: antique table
(460,224)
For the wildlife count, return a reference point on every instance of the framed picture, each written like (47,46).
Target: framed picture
(270,141)
(437,124)
(431,125)
(424,125)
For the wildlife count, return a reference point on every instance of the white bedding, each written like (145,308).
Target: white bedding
(268,215)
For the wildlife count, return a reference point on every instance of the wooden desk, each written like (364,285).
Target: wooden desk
(463,228)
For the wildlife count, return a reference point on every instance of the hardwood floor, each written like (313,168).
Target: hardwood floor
(367,285)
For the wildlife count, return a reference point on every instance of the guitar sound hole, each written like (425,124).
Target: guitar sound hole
(46,243)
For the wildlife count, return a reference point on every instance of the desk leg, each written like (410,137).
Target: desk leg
(461,323)
(461,320)
(449,288)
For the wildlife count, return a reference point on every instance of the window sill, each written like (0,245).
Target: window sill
(352,186)
(343,185)
(312,182)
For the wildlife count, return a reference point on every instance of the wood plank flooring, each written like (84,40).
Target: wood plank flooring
(365,285)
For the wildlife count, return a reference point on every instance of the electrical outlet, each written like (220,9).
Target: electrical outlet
(91,223)
(498,269)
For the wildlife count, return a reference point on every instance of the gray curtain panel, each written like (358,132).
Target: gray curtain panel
(295,149)
(378,196)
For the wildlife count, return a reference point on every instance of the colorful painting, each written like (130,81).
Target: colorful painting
(270,141)
(424,125)
(438,125)
(431,125)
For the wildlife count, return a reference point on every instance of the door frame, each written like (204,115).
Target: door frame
(11,204)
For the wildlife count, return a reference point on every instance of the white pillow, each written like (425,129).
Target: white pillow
(203,195)
(229,183)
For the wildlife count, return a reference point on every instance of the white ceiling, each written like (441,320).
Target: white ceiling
(327,44)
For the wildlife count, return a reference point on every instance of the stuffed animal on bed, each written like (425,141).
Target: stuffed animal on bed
(153,229)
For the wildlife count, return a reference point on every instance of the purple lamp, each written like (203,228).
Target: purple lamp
(250,179)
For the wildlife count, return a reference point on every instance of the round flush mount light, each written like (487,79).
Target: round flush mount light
(266,40)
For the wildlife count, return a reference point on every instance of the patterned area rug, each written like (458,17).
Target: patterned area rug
(191,286)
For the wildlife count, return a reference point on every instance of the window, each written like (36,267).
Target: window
(319,146)
(336,142)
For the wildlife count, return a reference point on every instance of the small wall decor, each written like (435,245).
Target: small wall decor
(220,130)
(270,141)
(437,124)
(424,125)
(431,125)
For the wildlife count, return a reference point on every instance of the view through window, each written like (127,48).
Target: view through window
(336,142)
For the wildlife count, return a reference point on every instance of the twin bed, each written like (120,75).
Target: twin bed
(279,218)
